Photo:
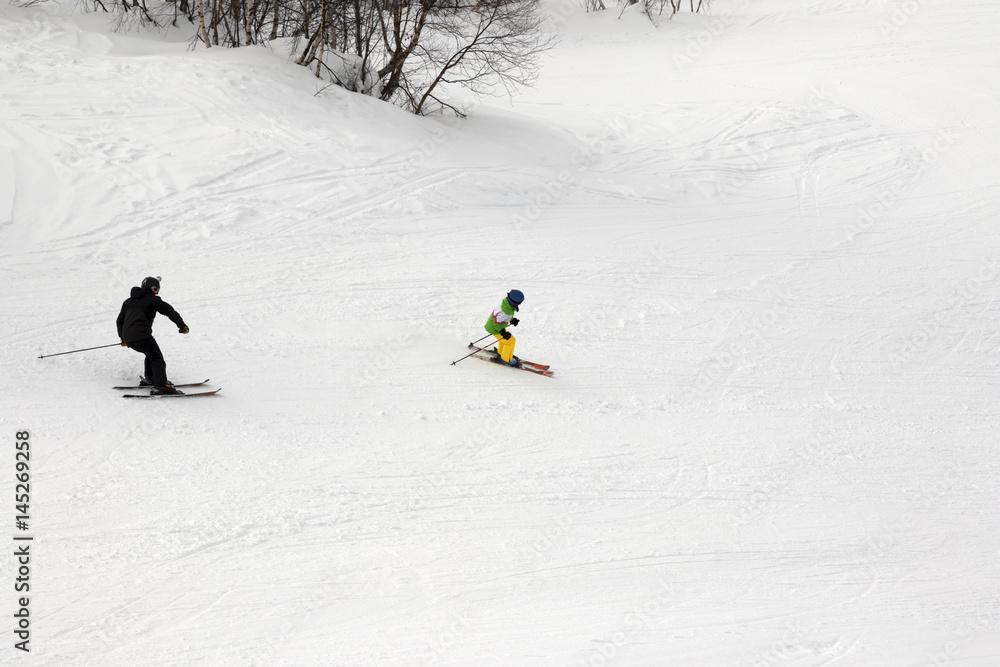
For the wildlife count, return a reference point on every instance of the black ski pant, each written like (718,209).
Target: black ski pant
(156,367)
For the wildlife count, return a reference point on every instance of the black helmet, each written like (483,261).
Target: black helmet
(151,283)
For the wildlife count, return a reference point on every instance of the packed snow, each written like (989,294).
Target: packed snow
(759,247)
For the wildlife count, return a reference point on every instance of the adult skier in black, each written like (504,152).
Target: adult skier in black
(135,328)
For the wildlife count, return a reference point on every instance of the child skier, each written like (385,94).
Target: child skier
(135,328)
(497,325)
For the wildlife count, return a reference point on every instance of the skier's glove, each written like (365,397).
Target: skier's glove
(505,334)
(183,329)
(514,321)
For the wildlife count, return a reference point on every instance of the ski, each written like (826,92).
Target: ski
(189,384)
(525,362)
(521,366)
(530,366)
(200,393)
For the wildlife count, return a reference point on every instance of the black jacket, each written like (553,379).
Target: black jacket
(135,322)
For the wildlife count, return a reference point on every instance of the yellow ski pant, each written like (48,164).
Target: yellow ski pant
(505,347)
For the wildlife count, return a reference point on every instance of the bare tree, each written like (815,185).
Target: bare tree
(651,8)
(484,45)
(415,53)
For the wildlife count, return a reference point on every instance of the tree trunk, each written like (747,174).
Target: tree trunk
(248,28)
(201,24)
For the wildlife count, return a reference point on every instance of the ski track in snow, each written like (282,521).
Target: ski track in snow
(766,277)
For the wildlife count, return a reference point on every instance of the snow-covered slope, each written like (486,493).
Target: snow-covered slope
(759,247)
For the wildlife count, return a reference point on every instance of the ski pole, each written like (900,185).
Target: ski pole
(473,352)
(83,350)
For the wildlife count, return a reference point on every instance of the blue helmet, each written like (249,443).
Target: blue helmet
(515,297)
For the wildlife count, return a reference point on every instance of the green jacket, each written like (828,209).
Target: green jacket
(500,317)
